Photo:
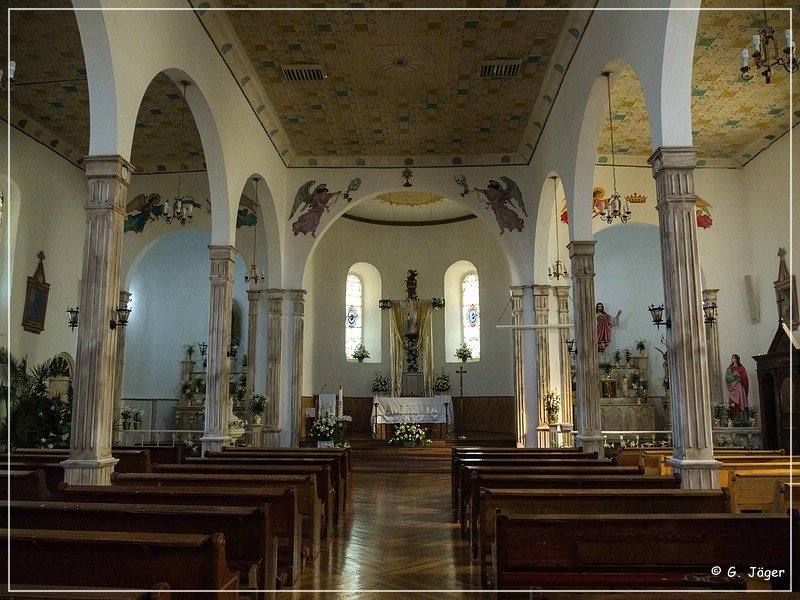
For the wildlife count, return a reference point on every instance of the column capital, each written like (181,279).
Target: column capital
(275,293)
(517,291)
(541,289)
(108,165)
(562,291)
(581,247)
(253,295)
(298,302)
(222,252)
(673,157)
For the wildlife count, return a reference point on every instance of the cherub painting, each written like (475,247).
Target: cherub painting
(499,198)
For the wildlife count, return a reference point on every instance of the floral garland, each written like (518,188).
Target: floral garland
(410,434)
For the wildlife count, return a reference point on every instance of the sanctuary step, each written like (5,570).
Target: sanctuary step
(386,458)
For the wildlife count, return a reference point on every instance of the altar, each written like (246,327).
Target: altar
(390,410)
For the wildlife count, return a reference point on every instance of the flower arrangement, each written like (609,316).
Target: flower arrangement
(381,385)
(640,344)
(463,352)
(437,302)
(127,413)
(719,411)
(258,404)
(189,351)
(442,382)
(617,356)
(552,404)
(752,412)
(410,434)
(360,353)
(323,428)
(628,356)
(237,423)
(339,434)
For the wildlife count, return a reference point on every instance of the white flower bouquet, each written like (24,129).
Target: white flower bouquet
(410,434)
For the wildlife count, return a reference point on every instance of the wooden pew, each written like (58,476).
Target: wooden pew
(337,480)
(636,551)
(250,548)
(588,501)
(458,453)
(159,455)
(130,461)
(308,503)
(787,495)
(53,472)
(530,467)
(24,485)
(753,490)
(160,591)
(731,461)
(649,458)
(284,518)
(120,559)
(321,475)
(344,455)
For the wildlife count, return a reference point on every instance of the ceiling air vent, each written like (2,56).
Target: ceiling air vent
(495,69)
(303,72)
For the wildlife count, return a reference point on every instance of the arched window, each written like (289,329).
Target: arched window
(354,314)
(471,314)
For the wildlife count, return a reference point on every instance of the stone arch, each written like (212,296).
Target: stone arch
(544,252)
(268,246)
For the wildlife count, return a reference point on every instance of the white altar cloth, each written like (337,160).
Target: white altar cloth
(412,410)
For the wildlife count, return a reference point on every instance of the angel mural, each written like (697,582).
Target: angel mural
(141,210)
(315,204)
(703,213)
(499,198)
(246,215)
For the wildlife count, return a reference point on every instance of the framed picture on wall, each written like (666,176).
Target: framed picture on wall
(786,294)
(36,299)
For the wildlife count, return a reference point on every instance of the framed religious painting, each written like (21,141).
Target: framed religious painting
(36,299)
(786,294)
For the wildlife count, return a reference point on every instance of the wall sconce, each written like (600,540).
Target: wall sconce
(123,314)
(72,317)
(710,312)
(571,347)
(657,312)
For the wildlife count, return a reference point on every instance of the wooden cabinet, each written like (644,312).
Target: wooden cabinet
(778,401)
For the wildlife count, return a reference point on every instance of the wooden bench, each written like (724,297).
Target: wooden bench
(787,495)
(579,467)
(308,503)
(337,479)
(159,455)
(321,476)
(345,456)
(250,548)
(160,591)
(753,490)
(284,519)
(130,461)
(23,485)
(587,501)
(635,551)
(120,559)
(731,462)
(458,453)
(650,458)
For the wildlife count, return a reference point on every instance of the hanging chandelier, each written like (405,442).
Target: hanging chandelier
(557,271)
(766,54)
(614,208)
(180,209)
(254,276)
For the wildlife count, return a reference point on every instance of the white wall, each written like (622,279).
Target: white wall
(52,193)
(394,250)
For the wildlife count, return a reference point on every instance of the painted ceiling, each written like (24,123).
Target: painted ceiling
(401,88)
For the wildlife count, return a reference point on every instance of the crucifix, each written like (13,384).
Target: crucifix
(461,372)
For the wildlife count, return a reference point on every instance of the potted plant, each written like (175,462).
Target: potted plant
(409,435)
(323,429)
(258,404)
(380,385)
(138,413)
(552,404)
(189,351)
(127,416)
(752,413)
(617,357)
(441,384)
(606,369)
(463,352)
(718,413)
(628,356)
(640,345)
(360,353)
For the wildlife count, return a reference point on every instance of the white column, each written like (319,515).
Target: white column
(565,362)
(90,461)
(271,435)
(541,309)
(296,381)
(586,372)
(714,363)
(219,340)
(524,366)
(119,369)
(252,337)
(693,457)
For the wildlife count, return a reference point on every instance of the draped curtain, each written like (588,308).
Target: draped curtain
(397,345)
(426,345)
(397,353)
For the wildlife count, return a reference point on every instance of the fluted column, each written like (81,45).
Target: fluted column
(219,339)
(565,363)
(587,387)
(693,457)
(524,365)
(541,311)
(90,460)
(252,332)
(296,382)
(714,363)
(519,379)
(119,369)
(274,340)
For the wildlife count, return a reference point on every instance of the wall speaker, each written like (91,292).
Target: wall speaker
(751,289)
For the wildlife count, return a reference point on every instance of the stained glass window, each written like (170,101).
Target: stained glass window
(353,316)
(471,314)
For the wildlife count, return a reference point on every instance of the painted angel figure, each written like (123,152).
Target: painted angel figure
(315,202)
(499,198)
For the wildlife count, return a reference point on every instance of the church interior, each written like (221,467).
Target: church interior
(392,296)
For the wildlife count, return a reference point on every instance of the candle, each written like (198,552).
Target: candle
(745,58)
(340,405)
(757,42)
(788,36)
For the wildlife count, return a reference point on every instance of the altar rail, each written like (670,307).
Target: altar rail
(743,437)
